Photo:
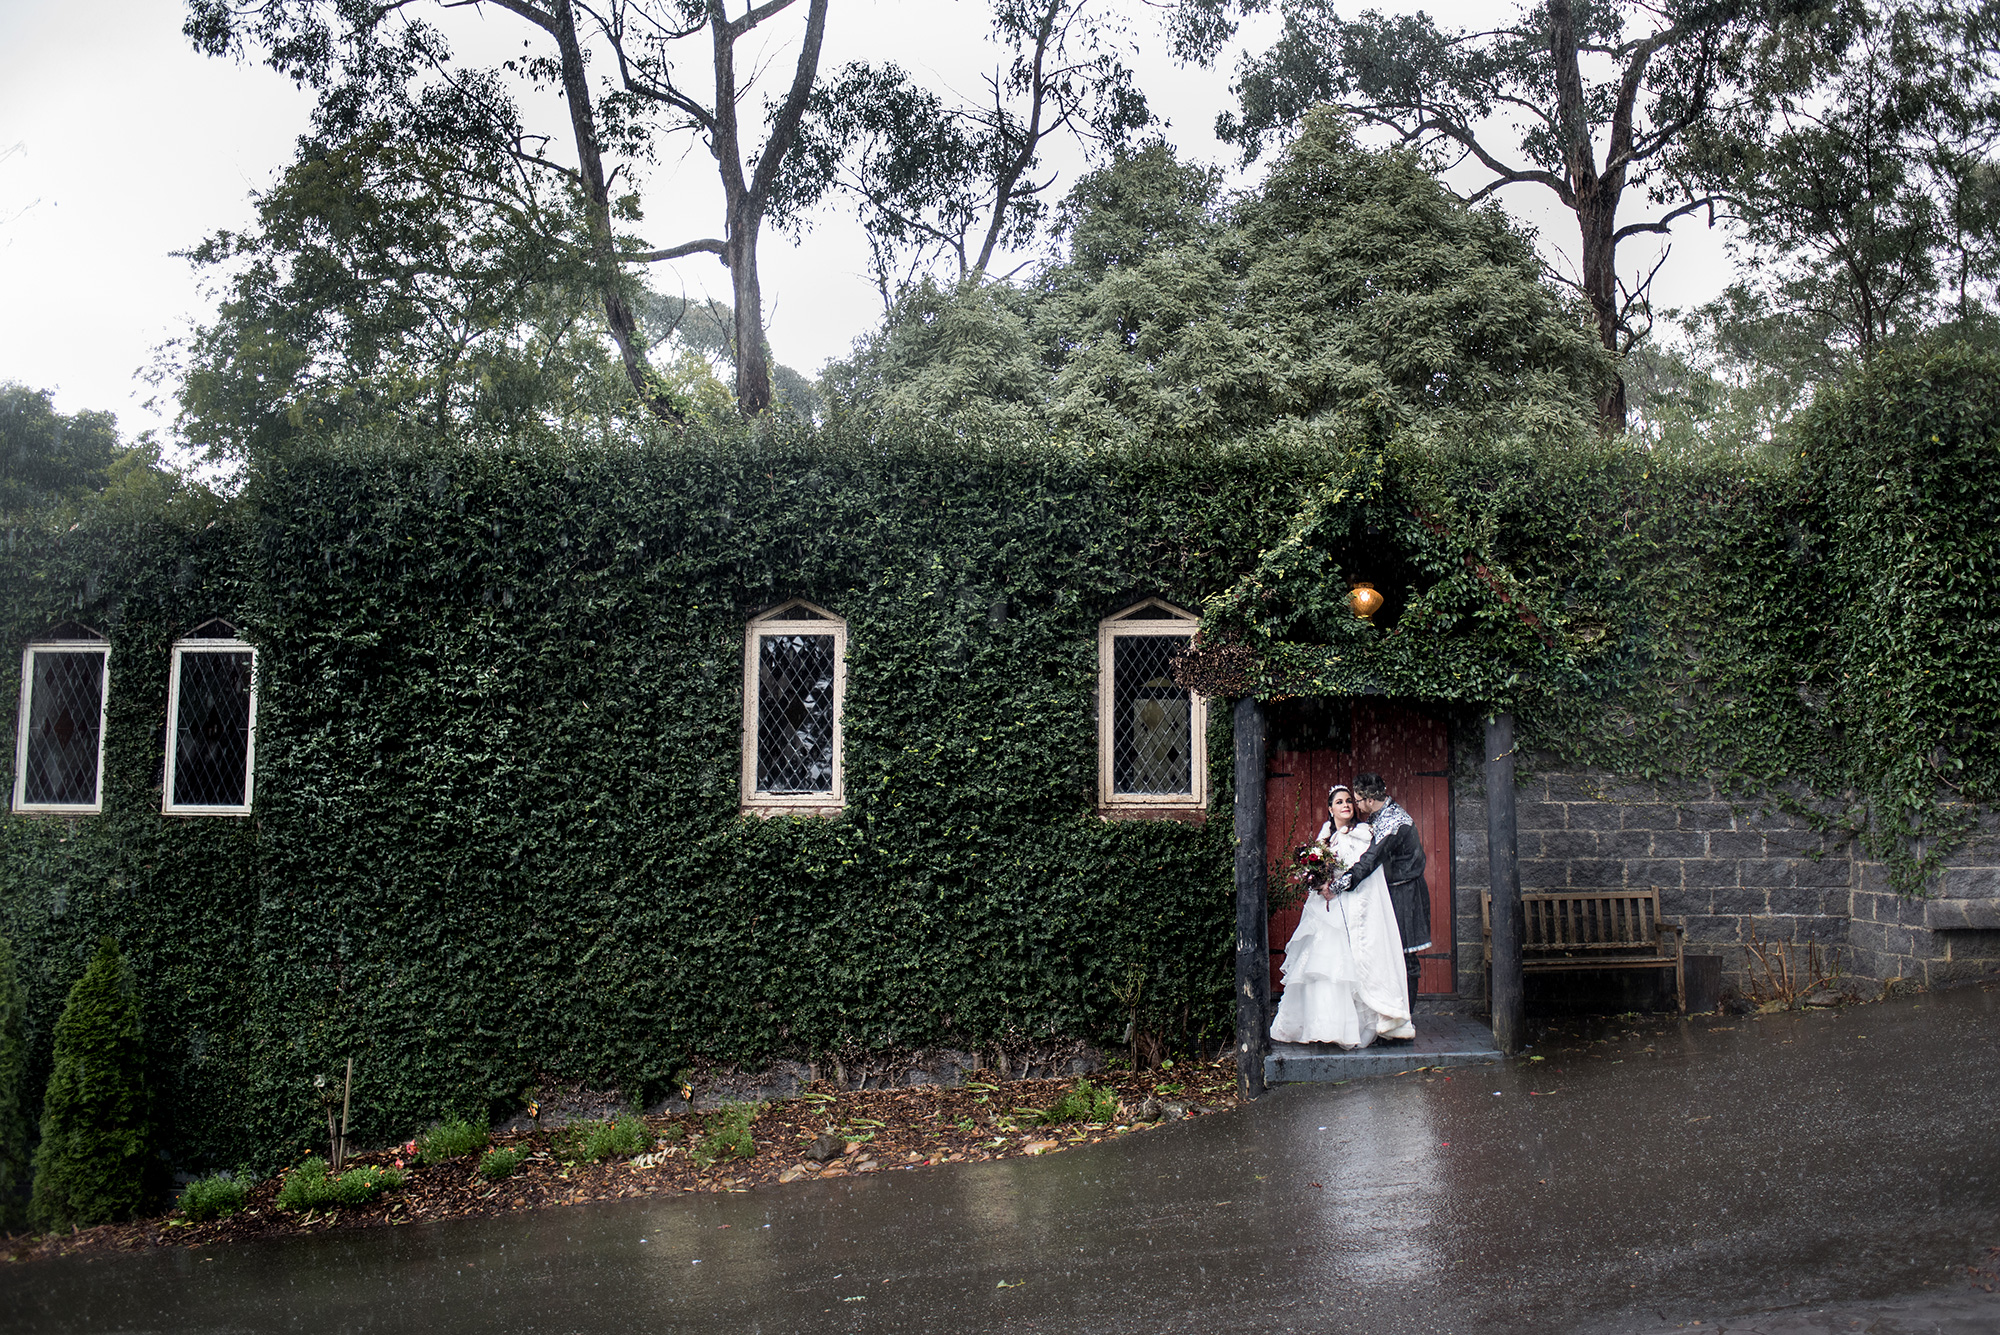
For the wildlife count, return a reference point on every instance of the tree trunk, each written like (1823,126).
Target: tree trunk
(1597,223)
(753,367)
(1595,199)
(618,315)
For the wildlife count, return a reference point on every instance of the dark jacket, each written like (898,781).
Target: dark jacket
(1399,853)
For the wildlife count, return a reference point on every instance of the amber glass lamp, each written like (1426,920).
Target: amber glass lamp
(1362,597)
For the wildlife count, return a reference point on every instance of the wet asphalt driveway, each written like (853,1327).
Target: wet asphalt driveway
(1818,1172)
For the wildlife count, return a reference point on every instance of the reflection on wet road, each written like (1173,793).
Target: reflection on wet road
(1678,1171)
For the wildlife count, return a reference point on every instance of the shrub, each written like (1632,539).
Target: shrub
(212,1197)
(13,1118)
(501,1163)
(95,1152)
(448,1140)
(310,1187)
(620,1137)
(726,1135)
(1082,1102)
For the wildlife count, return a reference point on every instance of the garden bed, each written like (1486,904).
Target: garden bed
(867,1131)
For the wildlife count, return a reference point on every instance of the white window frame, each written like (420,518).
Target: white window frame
(1124,624)
(778,621)
(201,644)
(96,645)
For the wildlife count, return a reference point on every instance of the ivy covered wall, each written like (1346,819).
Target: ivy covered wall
(497,837)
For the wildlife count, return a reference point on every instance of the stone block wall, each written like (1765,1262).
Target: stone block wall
(1733,873)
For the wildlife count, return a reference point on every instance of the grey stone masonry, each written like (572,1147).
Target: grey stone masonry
(1738,875)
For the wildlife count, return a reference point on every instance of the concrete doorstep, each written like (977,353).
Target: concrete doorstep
(1442,1040)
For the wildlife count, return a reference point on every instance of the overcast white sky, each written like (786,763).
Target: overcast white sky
(119,145)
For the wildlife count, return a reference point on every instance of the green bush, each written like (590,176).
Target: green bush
(211,1197)
(13,1078)
(1082,1102)
(726,1135)
(616,1138)
(311,1187)
(448,1140)
(95,1154)
(497,1164)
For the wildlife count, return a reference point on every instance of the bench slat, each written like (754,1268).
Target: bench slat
(1594,929)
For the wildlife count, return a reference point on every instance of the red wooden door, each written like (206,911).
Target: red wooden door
(1411,750)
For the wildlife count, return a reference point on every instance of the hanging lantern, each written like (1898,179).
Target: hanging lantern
(1364,600)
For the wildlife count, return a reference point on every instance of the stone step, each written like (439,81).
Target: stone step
(1442,1040)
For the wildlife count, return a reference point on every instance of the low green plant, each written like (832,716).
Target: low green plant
(726,1135)
(497,1164)
(311,1187)
(1082,1102)
(212,1197)
(448,1140)
(617,1138)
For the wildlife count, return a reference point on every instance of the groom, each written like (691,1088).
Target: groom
(1400,854)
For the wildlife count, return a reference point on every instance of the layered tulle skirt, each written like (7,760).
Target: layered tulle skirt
(1343,973)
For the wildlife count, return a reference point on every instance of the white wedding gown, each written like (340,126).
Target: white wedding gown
(1343,974)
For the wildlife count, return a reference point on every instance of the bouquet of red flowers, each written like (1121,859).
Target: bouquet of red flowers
(1314,867)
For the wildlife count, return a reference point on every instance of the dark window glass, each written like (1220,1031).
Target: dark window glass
(1152,719)
(65,714)
(212,730)
(795,713)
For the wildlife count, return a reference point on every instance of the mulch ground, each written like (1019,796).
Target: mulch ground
(926,1127)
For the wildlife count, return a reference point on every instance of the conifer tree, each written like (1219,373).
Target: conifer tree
(91,1164)
(13,1074)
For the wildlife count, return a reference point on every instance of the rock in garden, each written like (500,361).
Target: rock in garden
(826,1147)
(1147,1111)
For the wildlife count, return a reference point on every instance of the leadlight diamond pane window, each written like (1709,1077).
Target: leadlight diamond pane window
(211,725)
(795,714)
(1151,732)
(794,672)
(1152,718)
(62,727)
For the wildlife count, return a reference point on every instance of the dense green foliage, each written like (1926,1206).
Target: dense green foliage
(1907,460)
(449,1139)
(213,1196)
(498,838)
(13,1095)
(49,458)
(46,455)
(96,1152)
(310,1186)
(1351,281)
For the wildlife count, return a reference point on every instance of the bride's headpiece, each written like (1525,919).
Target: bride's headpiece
(1337,788)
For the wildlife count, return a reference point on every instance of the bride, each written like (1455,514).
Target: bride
(1343,974)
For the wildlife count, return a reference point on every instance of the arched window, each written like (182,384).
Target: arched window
(59,735)
(211,724)
(1152,733)
(794,674)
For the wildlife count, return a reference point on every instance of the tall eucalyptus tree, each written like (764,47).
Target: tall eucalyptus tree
(388,66)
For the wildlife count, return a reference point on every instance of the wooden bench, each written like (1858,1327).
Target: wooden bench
(1593,929)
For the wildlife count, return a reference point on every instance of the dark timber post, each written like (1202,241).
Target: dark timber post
(1504,882)
(1253,923)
